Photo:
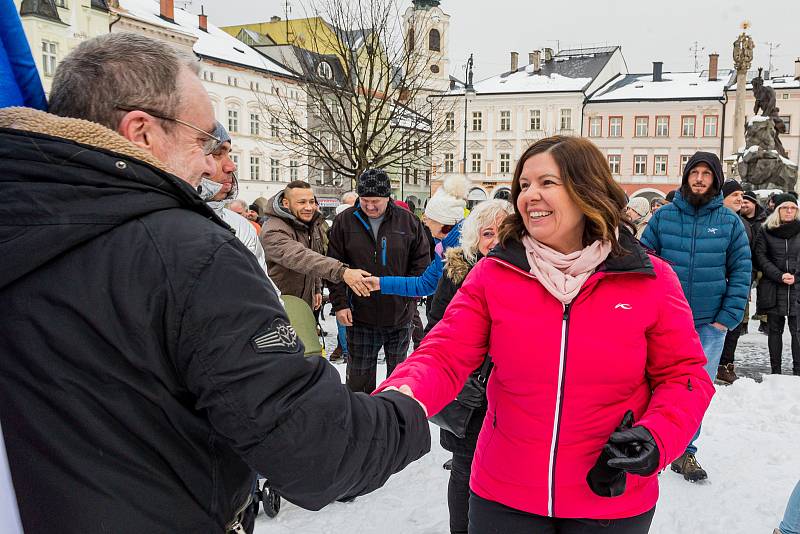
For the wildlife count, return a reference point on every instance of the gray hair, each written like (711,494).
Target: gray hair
(485,214)
(118,69)
(238,202)
(349,195)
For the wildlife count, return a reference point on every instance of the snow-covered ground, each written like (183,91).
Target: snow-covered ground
(750,446)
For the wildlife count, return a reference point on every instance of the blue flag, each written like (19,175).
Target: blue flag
(20,84)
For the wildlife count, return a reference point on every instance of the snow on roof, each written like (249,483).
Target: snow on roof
(528,82)
(777,83)
(674,85)
(214,44)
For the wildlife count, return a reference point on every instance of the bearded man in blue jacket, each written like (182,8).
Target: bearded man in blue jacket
(708,248)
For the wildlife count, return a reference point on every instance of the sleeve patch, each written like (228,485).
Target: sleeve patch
(277,337)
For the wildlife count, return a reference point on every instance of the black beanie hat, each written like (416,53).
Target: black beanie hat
(730,186)
(784,197)
(749,195)
(671,195)
(374,183)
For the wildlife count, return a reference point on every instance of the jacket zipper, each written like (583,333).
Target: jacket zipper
(383,251)
(691,266)
(235,526)
(562,367)
(788,286)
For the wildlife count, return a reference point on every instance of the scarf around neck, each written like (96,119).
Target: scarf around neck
(563,275)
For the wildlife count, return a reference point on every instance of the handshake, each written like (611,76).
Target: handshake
(361,282)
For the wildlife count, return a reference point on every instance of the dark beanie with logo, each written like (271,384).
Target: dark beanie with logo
(374,183)
(730,187)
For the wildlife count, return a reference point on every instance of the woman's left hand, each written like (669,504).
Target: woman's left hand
(633,450)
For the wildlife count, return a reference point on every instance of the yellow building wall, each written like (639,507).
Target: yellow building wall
(309,33)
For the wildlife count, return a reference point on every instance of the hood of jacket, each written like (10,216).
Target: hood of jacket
(275,209)
(66,181)
(456,266)
(709,159)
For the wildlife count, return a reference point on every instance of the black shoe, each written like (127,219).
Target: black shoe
(448,465)
(687,465)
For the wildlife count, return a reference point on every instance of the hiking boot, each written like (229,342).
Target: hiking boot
(448,465)
(777,531)
(726,374)
(336,355)
(687,466)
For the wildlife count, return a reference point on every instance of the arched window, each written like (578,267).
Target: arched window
(434,41)
(324,70)
(410,43)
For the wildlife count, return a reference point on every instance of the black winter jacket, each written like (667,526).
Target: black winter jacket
(400,250)
(777,252)
(147,367)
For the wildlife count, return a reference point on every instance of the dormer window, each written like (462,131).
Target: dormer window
(324,70)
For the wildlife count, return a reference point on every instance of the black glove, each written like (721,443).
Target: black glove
(473,394)
(604,480)
(633,450)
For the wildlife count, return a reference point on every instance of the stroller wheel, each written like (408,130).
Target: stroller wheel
(271,501)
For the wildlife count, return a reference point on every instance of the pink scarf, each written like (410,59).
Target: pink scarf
(562,275)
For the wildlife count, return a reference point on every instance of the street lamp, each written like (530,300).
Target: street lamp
(469,91)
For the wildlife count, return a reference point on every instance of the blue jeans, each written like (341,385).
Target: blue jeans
(712,339)
(791,519)
(342,336)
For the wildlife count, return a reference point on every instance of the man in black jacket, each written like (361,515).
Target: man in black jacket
(379,237)
(147,368)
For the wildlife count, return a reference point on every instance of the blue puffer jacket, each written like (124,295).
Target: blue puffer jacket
(426,283)
(708,249)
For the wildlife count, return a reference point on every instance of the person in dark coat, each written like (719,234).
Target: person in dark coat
(479,236)
(777,248)
(147,366)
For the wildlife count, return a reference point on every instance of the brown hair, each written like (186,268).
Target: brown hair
(297,184)
(588,182)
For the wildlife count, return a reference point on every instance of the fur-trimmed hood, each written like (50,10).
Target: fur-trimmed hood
(456,266)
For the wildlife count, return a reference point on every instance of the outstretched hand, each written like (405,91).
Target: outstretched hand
(355,279)
(406,390)
(374,283)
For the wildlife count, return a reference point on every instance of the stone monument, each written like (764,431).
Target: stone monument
(742,57)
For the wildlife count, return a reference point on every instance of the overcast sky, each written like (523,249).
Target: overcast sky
(647,30)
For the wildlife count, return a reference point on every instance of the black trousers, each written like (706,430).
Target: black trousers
(775,341)
(487,517)
(458,493)
(731,340)
(417,330)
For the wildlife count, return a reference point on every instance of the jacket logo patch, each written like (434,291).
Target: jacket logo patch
(712,230)
(623,306)
(278,337)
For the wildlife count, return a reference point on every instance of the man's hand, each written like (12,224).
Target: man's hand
(788,279)
(345,317)
(720,326)
(317,301)
(355,279)
(373,283)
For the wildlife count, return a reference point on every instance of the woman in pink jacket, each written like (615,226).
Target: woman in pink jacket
(583,326)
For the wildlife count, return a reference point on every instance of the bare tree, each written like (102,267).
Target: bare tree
(369,106)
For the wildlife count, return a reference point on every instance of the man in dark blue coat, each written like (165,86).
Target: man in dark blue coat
(708,248)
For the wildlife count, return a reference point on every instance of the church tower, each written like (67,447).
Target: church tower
(427,37)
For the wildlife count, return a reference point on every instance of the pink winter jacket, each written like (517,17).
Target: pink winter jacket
(563,378)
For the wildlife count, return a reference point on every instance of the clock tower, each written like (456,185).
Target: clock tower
(427,38)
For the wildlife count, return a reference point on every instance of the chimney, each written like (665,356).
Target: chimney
(548,55)
(514,61)
(797,69)
(535,59)
(203,20)
(167,10)
(274,18)
(713,66)
(657,68)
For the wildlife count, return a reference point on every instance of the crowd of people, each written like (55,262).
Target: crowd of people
(149,368)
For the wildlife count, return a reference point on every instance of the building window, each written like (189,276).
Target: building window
(448,163)
(684,160)
(427,177)
(294,133)
(505,121)
(233,121)
(639,165)
(614,163)
(254,86)
(416,176)
(254,124)
(615,126)
(710,126)
(235,159)
(477,121)
(233,80)
(450,121)
(274,170)
(293,170)
(662,126)
(787,123)
(274,127)
(687,126)
(536,119)
(255,168)
(407,175)
(61,3)
(435,40)
(660,165)
(324,70)
(49,57)
(505,163)
(476,162)
(595,127)
(642,126)
(566,119)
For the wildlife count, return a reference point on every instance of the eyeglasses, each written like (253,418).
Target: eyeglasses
(211,145)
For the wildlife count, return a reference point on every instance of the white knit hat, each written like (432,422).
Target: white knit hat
(640,205)
(448,203)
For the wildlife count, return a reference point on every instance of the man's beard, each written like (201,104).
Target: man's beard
(698,199)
